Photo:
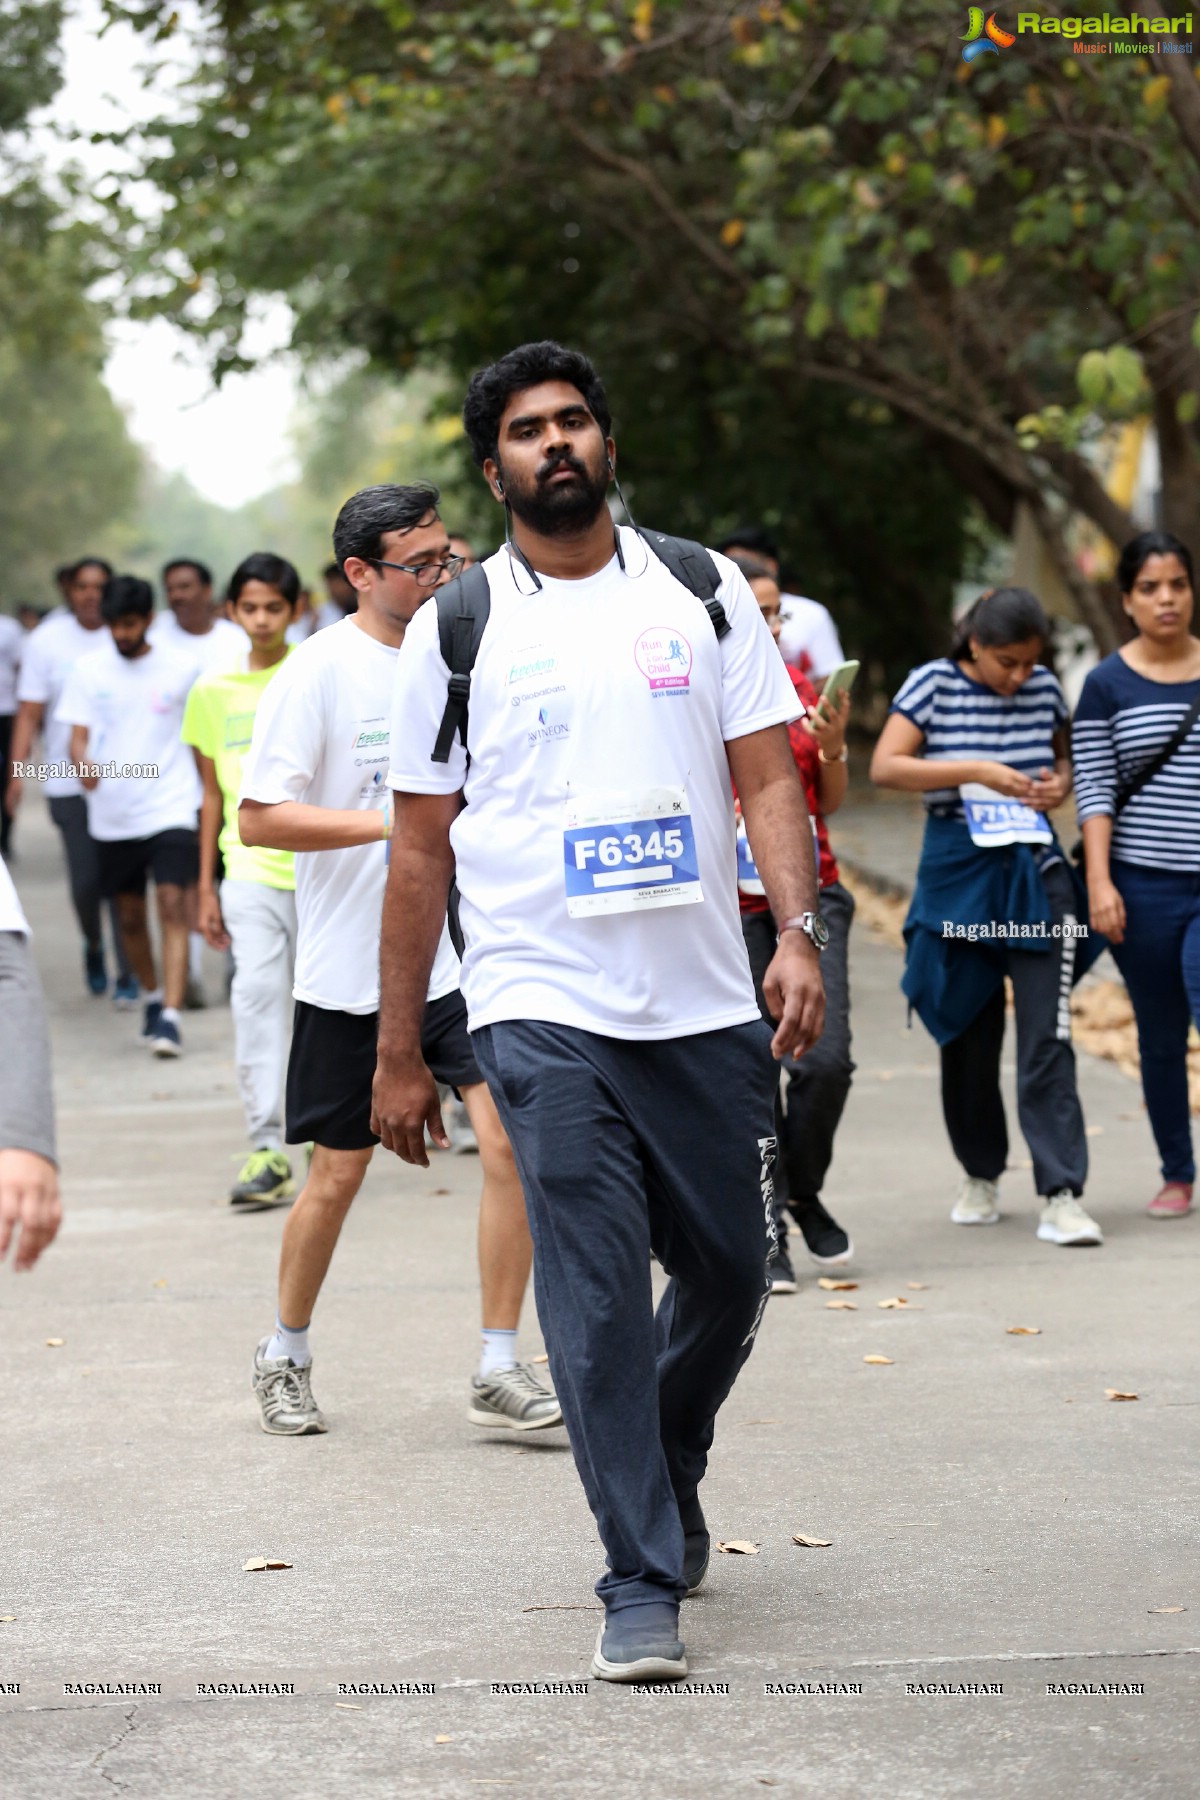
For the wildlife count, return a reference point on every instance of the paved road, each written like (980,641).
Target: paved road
(994,1520)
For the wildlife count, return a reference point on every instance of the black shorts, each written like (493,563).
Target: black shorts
(171,858)
(332,1066)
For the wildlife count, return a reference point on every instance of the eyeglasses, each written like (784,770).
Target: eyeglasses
(424,574)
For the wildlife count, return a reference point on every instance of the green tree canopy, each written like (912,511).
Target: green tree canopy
(835,274)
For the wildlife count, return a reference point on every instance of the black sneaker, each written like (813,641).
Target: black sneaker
(95,972)
(640,1644)
(780,1273)
(696,1544)
(828,1245)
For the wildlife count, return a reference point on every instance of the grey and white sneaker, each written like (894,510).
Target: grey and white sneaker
(458,1126)
(285,1396)
(1064,1221)
(976,1203)
(513,1399)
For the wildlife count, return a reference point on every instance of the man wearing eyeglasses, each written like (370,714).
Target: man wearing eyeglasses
(315,782)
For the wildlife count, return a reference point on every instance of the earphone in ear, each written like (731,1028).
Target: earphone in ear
(499,489)
(611,469)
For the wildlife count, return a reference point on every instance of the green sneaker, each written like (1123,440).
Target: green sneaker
(265,1179)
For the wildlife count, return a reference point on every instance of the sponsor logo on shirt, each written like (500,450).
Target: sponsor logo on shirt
(664,657)
(373,738)
(239,729)
(548,730)
(531,664)
(538,694)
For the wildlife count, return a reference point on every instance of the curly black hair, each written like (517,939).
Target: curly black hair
(492,388)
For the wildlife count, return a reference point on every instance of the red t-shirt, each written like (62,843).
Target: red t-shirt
(808,763)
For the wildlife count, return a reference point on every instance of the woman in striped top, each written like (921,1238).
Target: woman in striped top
(1143,854)
(972,731)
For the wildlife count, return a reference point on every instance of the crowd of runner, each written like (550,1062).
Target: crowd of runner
(538,841)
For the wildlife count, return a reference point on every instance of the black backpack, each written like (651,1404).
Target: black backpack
(464,604)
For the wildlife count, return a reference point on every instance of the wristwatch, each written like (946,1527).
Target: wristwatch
(812,925)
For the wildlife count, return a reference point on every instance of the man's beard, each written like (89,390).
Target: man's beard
(131,650)
(566,507)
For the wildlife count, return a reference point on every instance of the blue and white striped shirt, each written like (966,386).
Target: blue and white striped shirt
(965,721)
(1122,719)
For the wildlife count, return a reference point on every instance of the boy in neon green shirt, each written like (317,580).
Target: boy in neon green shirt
(255,909)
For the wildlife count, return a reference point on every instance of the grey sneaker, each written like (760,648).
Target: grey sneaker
(1064,1221)
(285,1395)
(513,1399)
(976,1203)
(641,1643)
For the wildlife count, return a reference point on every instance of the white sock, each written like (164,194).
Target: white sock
(153,997)
(170,1015)
(195,954)
(498,1351)
(286,1342)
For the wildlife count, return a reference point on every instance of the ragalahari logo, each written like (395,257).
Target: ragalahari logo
(984,37)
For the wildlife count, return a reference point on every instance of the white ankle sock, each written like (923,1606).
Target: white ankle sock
(170,1015)
(286,1342)
(195,955)
(153,997)
(498,1351)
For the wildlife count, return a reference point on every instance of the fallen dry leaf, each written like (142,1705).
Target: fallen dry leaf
(346,1706)
(1166,1609)
(812,1543)
(842,1305)
(1117,1394)
(441,1190)
(1024,1330)
(258,1563)
(443,1739)
(55,1343)
(738,1547)
(160,1284)
(1093,1131)
(919,1287)
(8,1618)
(897,1300)
(877,1359)
(539,1359)
(835,1287)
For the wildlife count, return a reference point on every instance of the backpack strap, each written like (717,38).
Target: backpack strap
(463,607)
(691,564)
(1159,760)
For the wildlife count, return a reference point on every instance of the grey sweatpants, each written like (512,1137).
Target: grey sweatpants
(26,1096)
(261,920)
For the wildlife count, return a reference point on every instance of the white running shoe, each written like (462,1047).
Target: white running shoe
(1064,1221)
(976,1203)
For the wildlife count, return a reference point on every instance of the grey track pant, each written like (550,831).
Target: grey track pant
(261,920)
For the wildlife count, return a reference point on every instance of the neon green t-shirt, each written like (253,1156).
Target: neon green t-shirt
(219,721)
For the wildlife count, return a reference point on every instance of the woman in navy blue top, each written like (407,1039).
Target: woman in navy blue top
(982,734)
(1143,856)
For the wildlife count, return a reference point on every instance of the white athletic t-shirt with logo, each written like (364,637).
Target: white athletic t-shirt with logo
(599,714)
(321,737)
(133,709)
(222,647)
(51,650)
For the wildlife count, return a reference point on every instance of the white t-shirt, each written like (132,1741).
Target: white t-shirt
(612,696)
(12,645)
(133,709)
(212,652)
(50,651)
(12,916)
(807,629)
(321,737)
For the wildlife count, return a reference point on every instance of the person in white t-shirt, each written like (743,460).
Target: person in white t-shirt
(12,645)
(193,629)
(808,637)
(50,652)
(608,990)
(314,782)
(124,707)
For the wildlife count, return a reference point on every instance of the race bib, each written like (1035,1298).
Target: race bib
(994,820)
(623,853)
(748,878)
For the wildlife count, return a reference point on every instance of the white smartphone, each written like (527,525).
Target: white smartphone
(839,682)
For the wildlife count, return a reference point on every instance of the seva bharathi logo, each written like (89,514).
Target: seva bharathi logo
(984,38)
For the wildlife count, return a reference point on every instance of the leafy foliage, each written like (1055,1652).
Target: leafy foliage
(834,274)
